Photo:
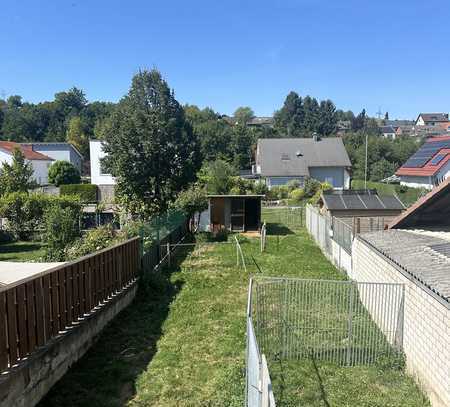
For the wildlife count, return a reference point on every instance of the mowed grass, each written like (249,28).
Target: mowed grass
(182,342)
(21,251)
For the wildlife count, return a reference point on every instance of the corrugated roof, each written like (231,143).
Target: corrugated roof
(29,154)
(294,156)
(417,255)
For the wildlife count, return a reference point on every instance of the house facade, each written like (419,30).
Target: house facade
(429,166)
(388,132)
(431,119)
(99,175)
(59,151)
(40,162)
(280,160)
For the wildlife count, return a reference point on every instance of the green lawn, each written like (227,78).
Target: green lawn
(21,251)
(182,342)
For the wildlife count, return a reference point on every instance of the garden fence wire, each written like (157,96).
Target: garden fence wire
(345,322)
(289,216)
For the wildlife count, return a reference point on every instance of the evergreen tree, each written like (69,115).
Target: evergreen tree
(290,118)
(77,137)
(151,148)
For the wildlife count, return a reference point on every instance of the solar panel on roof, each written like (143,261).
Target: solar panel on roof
(334,202)
(353,202)
(436,160)
(371,202)
(424,154)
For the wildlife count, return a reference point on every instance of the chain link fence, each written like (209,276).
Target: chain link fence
(343,322)
(292,217)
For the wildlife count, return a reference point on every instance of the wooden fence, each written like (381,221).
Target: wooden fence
(39,308)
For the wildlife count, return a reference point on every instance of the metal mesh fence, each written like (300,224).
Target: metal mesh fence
(345,322)
(292,217)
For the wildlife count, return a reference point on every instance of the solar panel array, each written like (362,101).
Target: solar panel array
(424,154)
(437,159)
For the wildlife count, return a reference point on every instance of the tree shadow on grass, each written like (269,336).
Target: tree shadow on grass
(279,229)
(107,373)
(18,247)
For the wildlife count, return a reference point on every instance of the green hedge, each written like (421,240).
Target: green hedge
(86,192)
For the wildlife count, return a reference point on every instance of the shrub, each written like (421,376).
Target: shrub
(86,192)
(24,212)
(94,240)
(63,172)
(260,188)
(311,187)
(324,186)
(61,229)
(297,195)
(294,184)
(192,200)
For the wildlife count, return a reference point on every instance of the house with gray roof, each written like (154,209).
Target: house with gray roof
(431,119)
(280,160)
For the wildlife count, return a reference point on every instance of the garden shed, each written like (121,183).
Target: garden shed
(237,213)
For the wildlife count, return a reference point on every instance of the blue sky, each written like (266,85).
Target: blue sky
(224,54)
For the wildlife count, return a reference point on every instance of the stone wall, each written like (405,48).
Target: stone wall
(426,335)
(25,385)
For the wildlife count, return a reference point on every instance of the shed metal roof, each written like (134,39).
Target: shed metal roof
(294,156)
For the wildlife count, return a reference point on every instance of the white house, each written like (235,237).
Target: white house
(40,162)
(388,132)
(59,151)
(431,119)
(99,175)
(429,166)
(280,160)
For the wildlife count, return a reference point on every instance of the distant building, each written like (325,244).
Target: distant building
(99,175)
(429,166)
(404,130)
(431,119)
(280,160)
(40,162)
(59,151)
(261,122)
(388,132)
(343,127)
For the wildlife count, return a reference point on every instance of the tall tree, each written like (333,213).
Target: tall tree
(17,176)
(327,118)
(243,115)
(76,135)
(290,118)
(151,148)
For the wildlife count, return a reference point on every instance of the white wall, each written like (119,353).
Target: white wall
(426,337)
(40,167)
(96,152)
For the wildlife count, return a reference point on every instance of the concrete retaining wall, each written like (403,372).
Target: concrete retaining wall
(25,385)
(426,336)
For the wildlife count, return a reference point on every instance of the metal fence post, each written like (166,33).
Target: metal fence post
(350,324)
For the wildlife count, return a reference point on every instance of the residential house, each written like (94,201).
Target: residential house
(429,166)
(431,119)
(240,213)
(388,132)
(99,175)
(404,130)
(280,160)
(40,162)
(59,151)
(261,122)
(343,127)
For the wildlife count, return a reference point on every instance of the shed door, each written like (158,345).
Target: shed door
(237,214)
(217,214)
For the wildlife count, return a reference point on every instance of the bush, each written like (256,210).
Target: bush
(63,172)
(260,188)
(297,195)
(324,186)
(94,240)
(86,192)
(311,187)
(25,212)
(61,229)
(6,237)
(294,184)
